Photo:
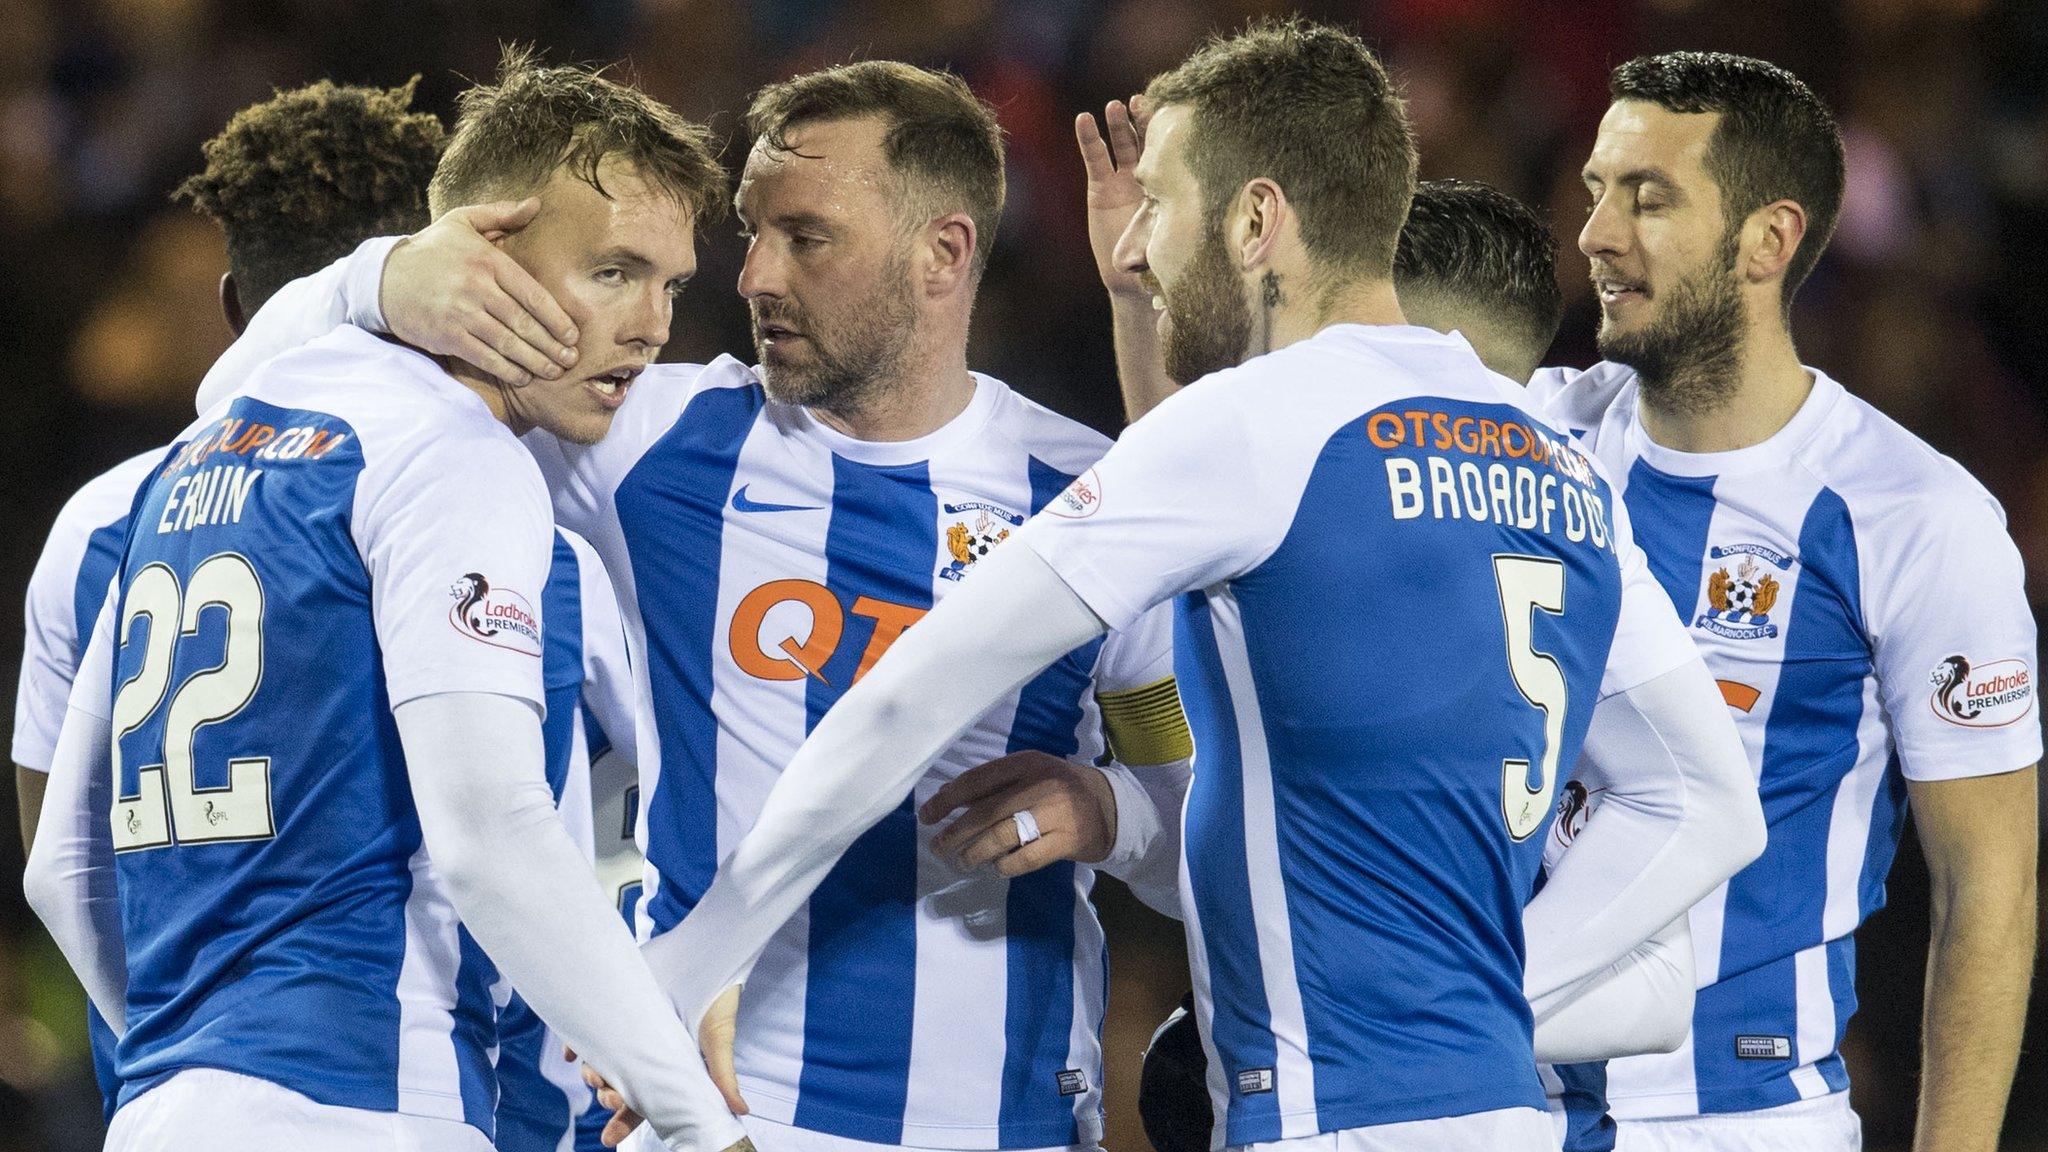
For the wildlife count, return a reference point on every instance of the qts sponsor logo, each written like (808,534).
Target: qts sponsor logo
(1981,695)
(790,629)
(499,617)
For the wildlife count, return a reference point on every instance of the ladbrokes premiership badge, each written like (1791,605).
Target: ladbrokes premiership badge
(1988,695)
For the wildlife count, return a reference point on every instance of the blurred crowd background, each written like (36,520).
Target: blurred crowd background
(1930,303)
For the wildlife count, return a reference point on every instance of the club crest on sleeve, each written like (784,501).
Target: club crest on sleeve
(1989,695)
(1081,498)
(1739,601)
(969,540)
(499,617)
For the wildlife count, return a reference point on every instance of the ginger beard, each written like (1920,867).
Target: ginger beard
(1208,312)
(841,362)
(1689,354)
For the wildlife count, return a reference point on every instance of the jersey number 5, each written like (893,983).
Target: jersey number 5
(1527,583)
(170,802)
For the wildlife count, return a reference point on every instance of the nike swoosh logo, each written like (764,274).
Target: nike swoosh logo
(740,503)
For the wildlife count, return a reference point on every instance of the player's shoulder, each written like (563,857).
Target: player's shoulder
(384,390)
(576,548)
(1305,392)
(591,576)
(102,502)
(1889,479)
(1062,442)
(722,395)
(670,383)
(414,428)
(107,497)
(1579,399)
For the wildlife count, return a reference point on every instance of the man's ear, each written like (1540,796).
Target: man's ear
(1263,212)
(1780,227)
(231,303)
(950,252)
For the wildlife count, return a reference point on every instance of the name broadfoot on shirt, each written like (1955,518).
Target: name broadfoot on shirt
(1502,471)
(1355,876)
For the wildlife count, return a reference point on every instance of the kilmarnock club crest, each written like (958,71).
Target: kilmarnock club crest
(1739,603)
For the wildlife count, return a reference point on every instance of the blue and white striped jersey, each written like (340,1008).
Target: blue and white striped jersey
(352,531)
(763,561)
(64,597)
(1400,596)
(589,681)
(1856,596)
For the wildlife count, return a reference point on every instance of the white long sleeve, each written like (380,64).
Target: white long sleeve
(1147,852)
(528,895)
(1679,814)
(864,757)
(1639,1005)
(344,292)
(70,879)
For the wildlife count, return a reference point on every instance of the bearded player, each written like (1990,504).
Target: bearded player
(774,529)
(1355,867)
(1833,569)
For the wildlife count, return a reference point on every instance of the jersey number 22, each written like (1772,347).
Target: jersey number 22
(170,806)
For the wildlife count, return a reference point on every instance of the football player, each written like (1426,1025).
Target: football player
(1403,604)
(294,182)
(773,530)
(1856,597)
(321,684)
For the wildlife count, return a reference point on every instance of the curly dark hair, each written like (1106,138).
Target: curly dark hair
(299,180)
(1311,108)
(1776,140)
(511,136)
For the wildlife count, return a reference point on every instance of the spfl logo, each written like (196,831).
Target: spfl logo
(1981,695)
(499,617)
(1081,498)
(968,543)
(1739,603)
(1572,810)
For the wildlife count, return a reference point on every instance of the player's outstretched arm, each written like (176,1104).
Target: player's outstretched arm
(1643,1004)
(1680,815)
(528,896)
(1981,838)
(1113,200)
(865,755)
(69,880)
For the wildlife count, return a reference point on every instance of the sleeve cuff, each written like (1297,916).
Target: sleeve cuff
(362,287)
(1137,823)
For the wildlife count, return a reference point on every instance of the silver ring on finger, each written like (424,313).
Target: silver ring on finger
(1027,827)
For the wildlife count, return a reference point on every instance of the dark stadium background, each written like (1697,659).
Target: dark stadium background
(1929,304)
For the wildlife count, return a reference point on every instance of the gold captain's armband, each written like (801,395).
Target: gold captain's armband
(1146,725)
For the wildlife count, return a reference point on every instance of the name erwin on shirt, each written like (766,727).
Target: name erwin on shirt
(220,494)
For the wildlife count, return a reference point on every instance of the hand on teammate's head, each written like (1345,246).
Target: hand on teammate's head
(450,290)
